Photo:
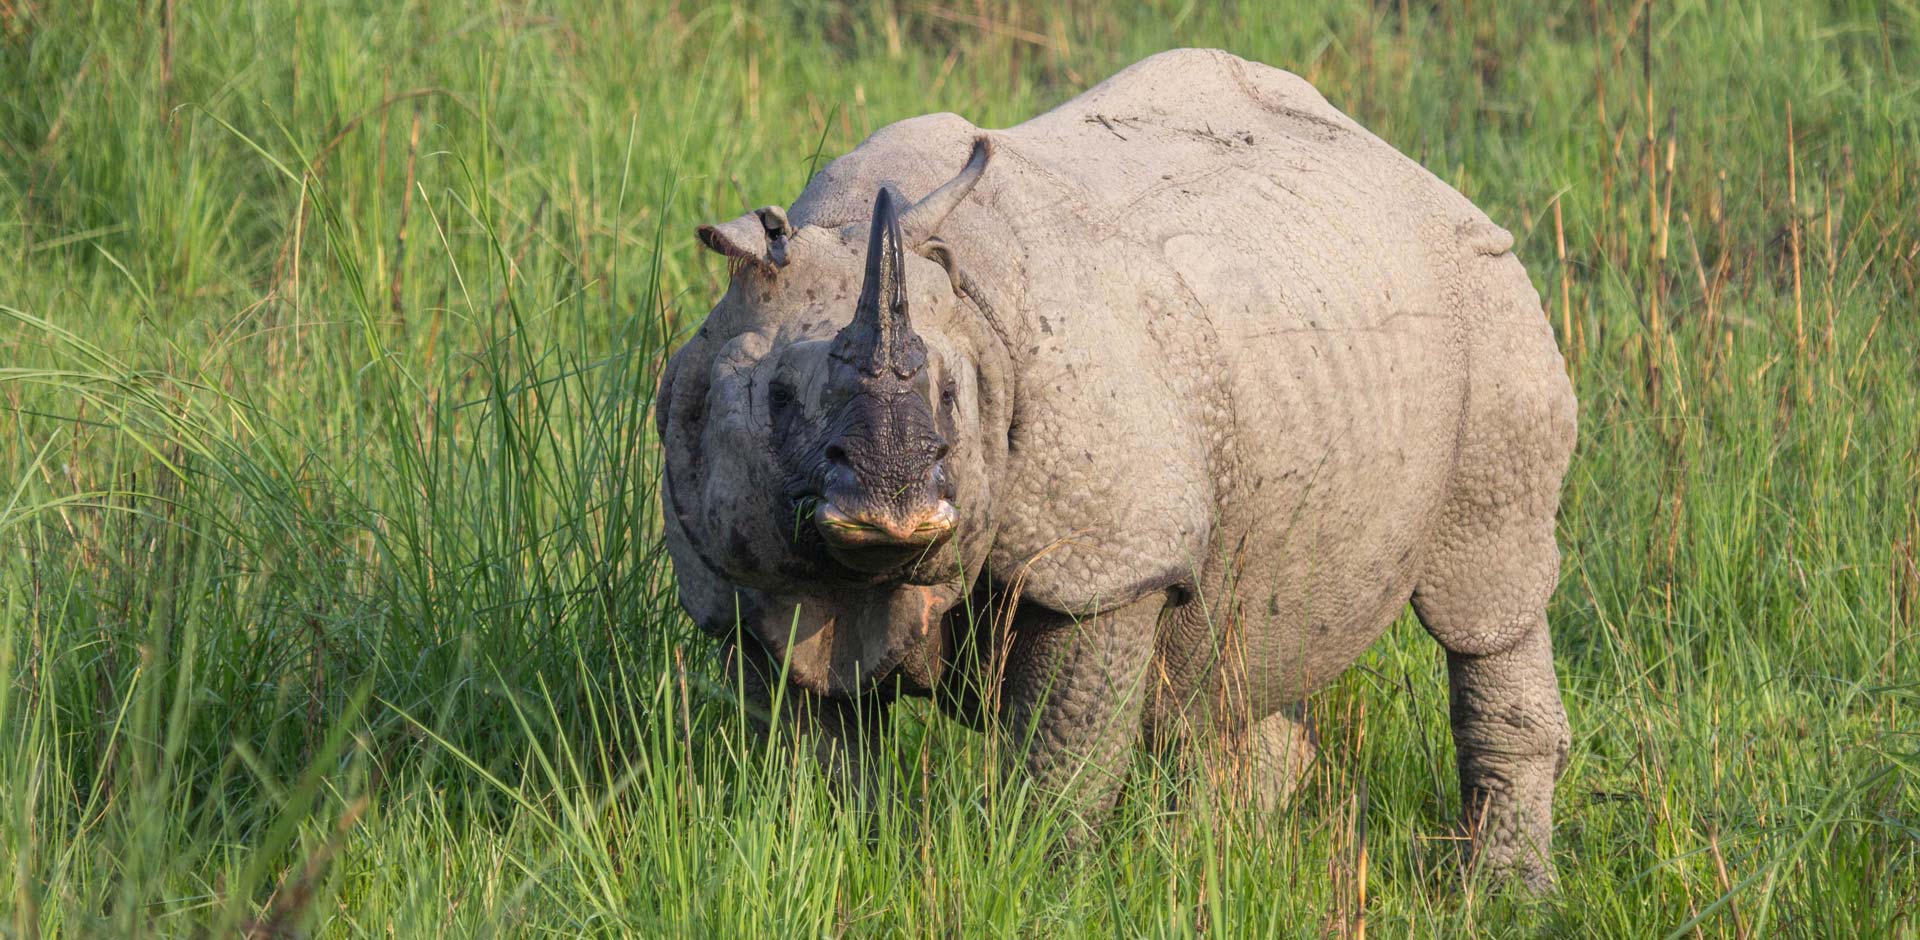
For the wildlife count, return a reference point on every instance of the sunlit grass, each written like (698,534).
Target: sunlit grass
(331,599)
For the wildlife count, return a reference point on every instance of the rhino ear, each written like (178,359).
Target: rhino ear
(758,238)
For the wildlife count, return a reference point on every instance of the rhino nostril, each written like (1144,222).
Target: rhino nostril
(836,454)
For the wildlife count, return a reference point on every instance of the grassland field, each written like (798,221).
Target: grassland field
(332,601)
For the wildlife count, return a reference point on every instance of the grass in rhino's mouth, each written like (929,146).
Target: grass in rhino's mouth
(804,508)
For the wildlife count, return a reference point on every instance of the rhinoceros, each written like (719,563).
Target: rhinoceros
(1134,423)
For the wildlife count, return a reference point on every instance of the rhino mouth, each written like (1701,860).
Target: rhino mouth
(878,542)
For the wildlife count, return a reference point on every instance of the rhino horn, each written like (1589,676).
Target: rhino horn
(921,220)
(881,339)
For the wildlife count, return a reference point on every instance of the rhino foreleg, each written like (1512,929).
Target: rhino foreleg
(1073,696)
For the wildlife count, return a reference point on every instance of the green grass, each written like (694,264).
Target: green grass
(331,598)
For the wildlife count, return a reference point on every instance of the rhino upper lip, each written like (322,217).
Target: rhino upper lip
(883,527)
(876,543)
(856,525)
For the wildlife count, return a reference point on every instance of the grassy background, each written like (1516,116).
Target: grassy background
(330,595)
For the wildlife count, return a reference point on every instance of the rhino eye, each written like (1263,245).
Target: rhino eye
(780,395)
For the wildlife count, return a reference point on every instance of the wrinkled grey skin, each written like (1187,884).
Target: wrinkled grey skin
(1198,386)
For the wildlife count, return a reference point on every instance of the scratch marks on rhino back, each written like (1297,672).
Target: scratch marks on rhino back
(1398,320)
(1169,183)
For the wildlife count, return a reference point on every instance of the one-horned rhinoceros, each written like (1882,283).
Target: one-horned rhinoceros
(1139,421)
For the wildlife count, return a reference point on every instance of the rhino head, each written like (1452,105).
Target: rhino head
(829,434)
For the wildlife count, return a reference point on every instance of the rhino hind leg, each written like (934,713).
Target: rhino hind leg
(1492,567)
(1282,749)
(1510,731)
(1487,606)
(1510,742)
(1265,765)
